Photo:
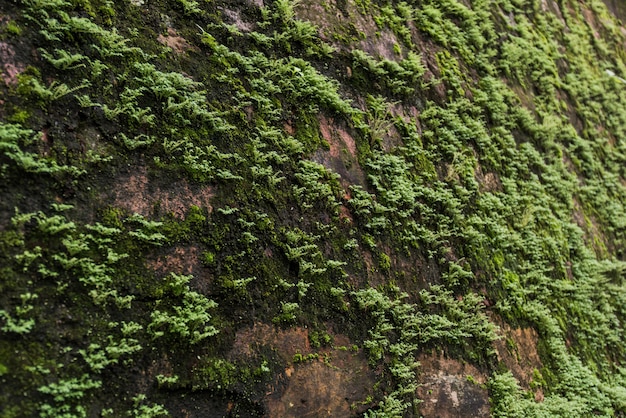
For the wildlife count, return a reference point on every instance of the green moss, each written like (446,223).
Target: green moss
(12,28)
(19,116)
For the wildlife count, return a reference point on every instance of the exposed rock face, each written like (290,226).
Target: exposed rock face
(315,382)
(518,350)
(322,390)
(173,40)
(11,67)
(451,389)
(342,156)
(618,8)
(136,192)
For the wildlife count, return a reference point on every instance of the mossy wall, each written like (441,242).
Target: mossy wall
(188,186)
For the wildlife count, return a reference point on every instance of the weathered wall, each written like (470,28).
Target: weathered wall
(312,208)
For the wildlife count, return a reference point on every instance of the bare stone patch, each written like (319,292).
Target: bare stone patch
(344,214)
(551,6)
(428,51)
(591,21)
(489,181)
(380,46)
(162,366)
(336,137)
(287,342)
(408,114)
(10,67)
(450,388)
(333,384)
(172,40)
(331,20)
(179,260)
(182,260)
(342,155)
(235,18)
(518,350)
(617,8)
(316,389)
(526,97)
(136,193)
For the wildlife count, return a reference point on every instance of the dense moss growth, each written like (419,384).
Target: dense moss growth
(404,174)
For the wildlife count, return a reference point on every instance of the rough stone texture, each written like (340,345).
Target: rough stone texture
(334,384)
(319,390)
(10,67)
(183,259)
(332,21)
(593,234)
(489,181)
(234,16)
(450,388)
(257,3)
(342,155)
(286,342)
(518,351)
(618,8)
(178,44)
(138,193)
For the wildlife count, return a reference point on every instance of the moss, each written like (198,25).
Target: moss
(461,191)
(20,116)
(12,28)
(319,339)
